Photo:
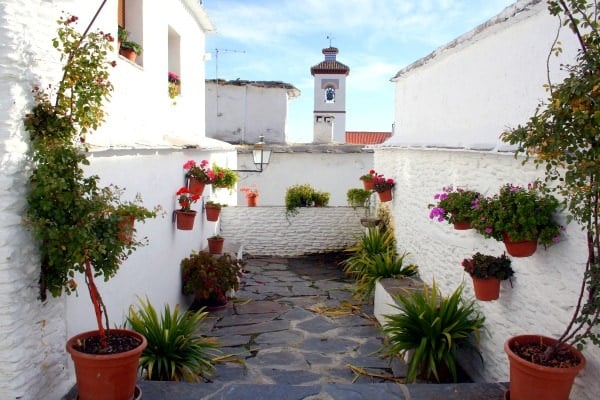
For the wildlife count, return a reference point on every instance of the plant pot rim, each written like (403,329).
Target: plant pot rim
(190,212)
(541,368)
(71,349)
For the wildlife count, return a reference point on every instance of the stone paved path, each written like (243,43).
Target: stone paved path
(294,322)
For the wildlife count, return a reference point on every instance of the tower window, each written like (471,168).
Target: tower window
(330,95)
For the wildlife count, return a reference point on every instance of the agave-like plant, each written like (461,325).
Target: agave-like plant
(174,352)
(374,241)
(432,327)
(379,266)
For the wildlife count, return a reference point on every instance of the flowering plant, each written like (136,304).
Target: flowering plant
(521,213)
(250,191)
(382,183)
(199,171)
(173,77)
(174,83)
(369,176)
(186,198)
(482,266)
(223,177)
(454,205)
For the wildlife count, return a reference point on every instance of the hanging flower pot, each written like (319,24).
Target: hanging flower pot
(462,225)
(486,289)
(521,248)
(185,219)
(368,185)
(215,244)
(529,380)
(213,210)
(196,186)
(252,200)
(385,196)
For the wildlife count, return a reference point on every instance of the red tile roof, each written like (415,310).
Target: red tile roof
(367,137)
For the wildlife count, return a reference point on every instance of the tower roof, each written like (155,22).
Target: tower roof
(330,65)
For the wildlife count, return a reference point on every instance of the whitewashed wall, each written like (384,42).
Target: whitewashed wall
(462,97)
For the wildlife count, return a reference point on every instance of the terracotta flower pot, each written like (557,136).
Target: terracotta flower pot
(369,185)
(212,213)
(486,289)
(185,219)
(106,376)
(522,248)
(251,200)
(215,245)
(195,186)
(128,54)
(530,381)
(462,225)
(385,196)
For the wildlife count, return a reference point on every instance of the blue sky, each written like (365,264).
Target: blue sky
(279,40)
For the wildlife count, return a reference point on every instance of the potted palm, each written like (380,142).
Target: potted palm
(454,205)
(563,137)
(209,277)
(81,230)
(198,175)
(520,217)
(487,272)
(185,216)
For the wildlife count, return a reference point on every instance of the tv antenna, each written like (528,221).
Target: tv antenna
(217,52)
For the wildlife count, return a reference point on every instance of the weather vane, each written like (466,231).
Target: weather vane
(330,37)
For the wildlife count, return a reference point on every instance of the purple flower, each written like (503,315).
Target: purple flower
(555,239)
(488,230)
(438,213)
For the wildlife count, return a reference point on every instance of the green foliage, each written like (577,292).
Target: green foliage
(129,44)
(320,199)
(302,196)
(563,136)
(174,352)
(434,327)
(523,214)
(357,197)
(208,275)
(484,267)
(73,219)
(454,205)
(224,177)
(380,266)
(374,241)
(213,204)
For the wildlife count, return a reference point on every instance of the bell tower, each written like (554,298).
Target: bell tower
(329,115)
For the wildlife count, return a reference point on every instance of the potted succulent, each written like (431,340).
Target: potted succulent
(383,186)
(209,277)
(224,178)
(213,209)
(520,217)
(198,175)
(251,194)
(368,180)
(454,205)
(128,48)
(185,216)
(562,136)
(80,230)
(215,244)
(487,272)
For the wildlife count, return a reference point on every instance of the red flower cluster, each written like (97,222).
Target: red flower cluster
(186,198)
(201,171)
(381,183)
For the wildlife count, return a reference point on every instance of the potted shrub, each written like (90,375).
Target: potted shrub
(320,199)
(128,48)
(430,328)
(298,196)
(368,180)
(215,244)
(75,221)
(251,194)
(213,210)
(520,217)
(224,178)
(198,175)
(357,197)
(209,277)
(383,186)
(454,205)
(487,272)
(562,136)
(185,216)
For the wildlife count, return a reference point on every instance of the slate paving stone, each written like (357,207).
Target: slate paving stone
(245,319)
(296,314)
(290,338)
(317,324)
(261,307)
(329,345)
(234,340)
(282,357)
(272,326)
(291,377)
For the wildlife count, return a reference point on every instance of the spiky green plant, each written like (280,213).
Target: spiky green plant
(380,266)
(433,327)
(374,241)
(174,352)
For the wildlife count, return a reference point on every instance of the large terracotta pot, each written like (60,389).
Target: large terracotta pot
(369,185)
(486,289)
(529,381)
(185,219)
(252,200)
(195,186)
(522,248)
(215,245)
(106,376)
(128,54)
(212,213)
(385,196)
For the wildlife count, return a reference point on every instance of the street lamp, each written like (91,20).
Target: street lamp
(260,156)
